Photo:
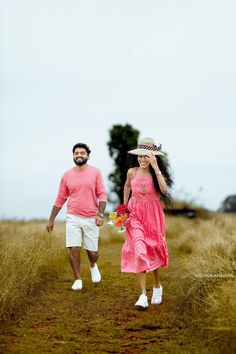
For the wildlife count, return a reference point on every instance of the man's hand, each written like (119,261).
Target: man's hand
(50,226)
(99,220)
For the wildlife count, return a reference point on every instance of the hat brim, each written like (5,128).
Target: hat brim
(145,152)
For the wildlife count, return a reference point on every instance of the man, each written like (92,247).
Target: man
(83,186)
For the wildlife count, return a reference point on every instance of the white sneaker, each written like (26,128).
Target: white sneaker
(95,274)
(157,296)
(142,302)
(77,285)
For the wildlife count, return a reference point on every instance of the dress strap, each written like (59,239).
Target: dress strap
(134,172)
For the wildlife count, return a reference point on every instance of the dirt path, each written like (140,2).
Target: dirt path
(99,319)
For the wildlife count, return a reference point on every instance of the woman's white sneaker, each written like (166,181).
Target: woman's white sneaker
(142,302)
(77,285)
(157,296)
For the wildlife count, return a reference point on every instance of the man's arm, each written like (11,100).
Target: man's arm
(99,216)
(101,208)
(102,197)
(62,196)
(54,212)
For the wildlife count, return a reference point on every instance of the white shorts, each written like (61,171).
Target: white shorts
(81,231)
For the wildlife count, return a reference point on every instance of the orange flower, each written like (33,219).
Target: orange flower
(118,222)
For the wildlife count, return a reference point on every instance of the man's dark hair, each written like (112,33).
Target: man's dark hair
(82,146)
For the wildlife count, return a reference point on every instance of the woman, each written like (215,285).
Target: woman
(145,248)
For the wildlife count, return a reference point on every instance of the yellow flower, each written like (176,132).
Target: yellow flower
(112,215)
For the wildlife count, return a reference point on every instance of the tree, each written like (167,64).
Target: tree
(122,139)
(229,204)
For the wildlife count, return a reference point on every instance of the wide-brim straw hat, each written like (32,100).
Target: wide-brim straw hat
(147,146)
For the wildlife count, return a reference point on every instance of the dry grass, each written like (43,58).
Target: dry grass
(30,259)
(198,314)
(205,279)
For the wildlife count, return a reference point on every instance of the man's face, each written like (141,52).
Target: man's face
(80,156)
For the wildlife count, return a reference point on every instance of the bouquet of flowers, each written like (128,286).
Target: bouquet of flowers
(118,217)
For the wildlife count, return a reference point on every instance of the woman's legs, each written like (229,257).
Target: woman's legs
(142,302)
(157,288)
(156,275)
(142,281)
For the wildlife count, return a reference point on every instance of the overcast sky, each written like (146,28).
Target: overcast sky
(72,69)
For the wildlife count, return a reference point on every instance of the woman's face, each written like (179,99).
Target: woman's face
(143,161)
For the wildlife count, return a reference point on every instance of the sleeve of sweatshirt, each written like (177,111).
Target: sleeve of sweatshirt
(63,194)
(100,188)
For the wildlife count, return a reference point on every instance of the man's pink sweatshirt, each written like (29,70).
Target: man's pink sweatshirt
(84,189)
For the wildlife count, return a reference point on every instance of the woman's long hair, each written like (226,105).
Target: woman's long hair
(165,170)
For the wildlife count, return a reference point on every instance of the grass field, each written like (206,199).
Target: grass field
(40,314)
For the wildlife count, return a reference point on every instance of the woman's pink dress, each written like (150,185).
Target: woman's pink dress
(145,246)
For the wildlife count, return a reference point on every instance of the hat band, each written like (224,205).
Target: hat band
(148,147)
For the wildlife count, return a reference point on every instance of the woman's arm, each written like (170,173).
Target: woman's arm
(127,187)
(161,181)
(160,178)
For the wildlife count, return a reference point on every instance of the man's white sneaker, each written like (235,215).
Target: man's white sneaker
(95,274)
(77,285)
(157,296)
(142,302)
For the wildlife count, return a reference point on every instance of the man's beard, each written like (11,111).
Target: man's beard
(80,161)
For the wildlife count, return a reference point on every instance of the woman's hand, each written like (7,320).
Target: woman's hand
(160,179)
(153,161)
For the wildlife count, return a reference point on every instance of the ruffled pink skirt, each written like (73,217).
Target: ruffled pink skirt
(145,246)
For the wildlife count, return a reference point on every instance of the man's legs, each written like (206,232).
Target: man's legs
(90,242)
(73,242)
(75,264)
(93,257)
(75,261)
(95,274)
